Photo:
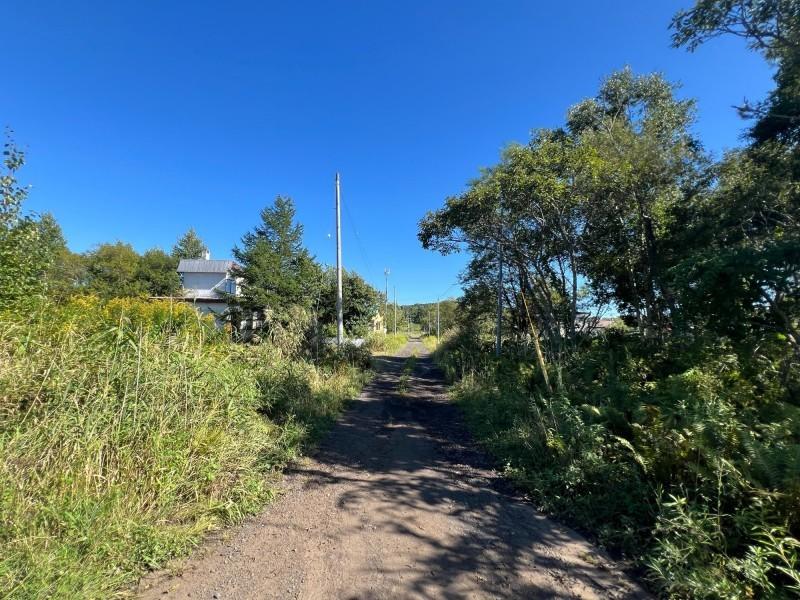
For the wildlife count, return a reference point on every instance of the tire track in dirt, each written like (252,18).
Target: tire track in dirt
(397,503)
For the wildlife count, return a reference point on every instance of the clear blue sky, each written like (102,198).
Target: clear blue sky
(141,119)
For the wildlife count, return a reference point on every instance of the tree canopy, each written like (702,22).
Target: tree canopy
(360,302)
(189,245)
(771,27)
(157,270)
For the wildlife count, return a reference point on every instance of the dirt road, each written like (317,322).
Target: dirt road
(397,503)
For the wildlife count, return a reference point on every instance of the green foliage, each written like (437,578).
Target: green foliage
(771,27)
(158,272)
(360,303)
(67,270)
(277,271)
(430,342)
(112,271)
(12,194)
(129,428)
(639,165)
(424,315)
(189,245)
(674,438)
(740,264)
(25,246)
(405,375)
(118,271)
(592,202)
(682,460)
(396,319)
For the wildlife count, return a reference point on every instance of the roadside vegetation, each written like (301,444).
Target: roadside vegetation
(130,427)
(387,343)
(671,435)
(430,342)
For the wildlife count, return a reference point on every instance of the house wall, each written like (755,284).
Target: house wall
(216,309)
(203,281)
(201,290)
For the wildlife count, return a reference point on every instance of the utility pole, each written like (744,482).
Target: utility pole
(437,322)
(395,309)
(339,315)
(386,297)
(498,329)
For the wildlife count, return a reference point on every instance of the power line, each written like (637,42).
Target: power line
(452,285)
(359,243)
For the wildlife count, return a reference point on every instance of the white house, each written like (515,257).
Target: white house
(208,283)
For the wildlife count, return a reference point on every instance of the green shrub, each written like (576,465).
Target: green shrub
(686,460)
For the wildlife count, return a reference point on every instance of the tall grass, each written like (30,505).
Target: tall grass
(431,342)
(128,429)
(387,343)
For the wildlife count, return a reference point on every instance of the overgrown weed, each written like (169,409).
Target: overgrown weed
(687,462)
(130,428)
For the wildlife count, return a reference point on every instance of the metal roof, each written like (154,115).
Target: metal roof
(200,265)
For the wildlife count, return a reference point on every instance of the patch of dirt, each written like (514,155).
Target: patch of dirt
(397,503)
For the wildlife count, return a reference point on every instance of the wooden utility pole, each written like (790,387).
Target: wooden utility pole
(339,315)
(395,310)
(437,321)
(386,298)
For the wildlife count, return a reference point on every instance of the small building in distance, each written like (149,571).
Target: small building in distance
(378,324)
(208,284)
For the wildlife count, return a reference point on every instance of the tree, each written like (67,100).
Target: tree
(740,273)
(526,211)
(771,27)
(401,319)
(113,271)
(276,269)
(189,245)
(424,315)
(360,302)
(66,272)
(25,257)
(157,271)
(643,166)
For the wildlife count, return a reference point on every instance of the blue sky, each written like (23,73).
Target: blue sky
(142,119)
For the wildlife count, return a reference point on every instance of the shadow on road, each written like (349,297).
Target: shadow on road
(406,458)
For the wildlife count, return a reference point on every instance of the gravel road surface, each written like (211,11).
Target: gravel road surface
(397,502)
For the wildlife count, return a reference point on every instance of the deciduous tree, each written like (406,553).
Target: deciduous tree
(113,270)
(157,271)
(360,302)
(25,251)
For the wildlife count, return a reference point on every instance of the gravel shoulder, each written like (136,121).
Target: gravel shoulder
(397,502)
